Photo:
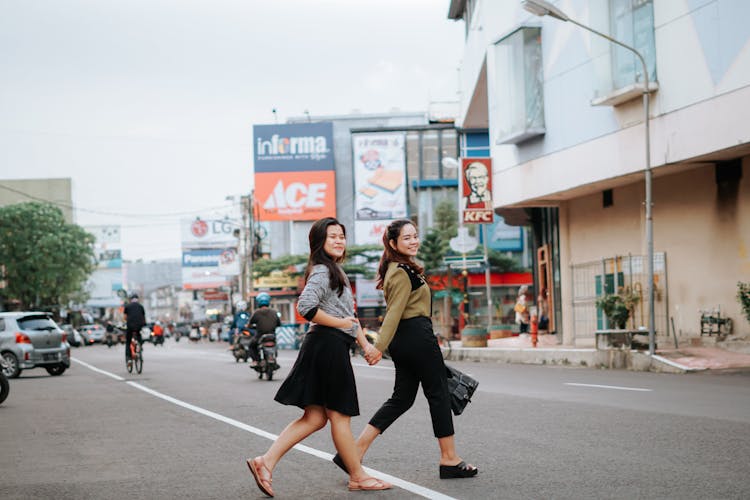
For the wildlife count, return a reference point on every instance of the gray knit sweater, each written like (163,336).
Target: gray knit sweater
(318,295)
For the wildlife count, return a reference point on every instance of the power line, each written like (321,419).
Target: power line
(116,214)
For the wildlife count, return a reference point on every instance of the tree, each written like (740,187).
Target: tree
(360,259)
(47,261)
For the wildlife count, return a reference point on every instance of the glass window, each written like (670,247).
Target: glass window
(519,107)
(412,155)
(430,155)
(449,145)
(2,325)
(632,23)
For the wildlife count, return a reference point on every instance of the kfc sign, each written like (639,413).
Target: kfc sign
(476,179)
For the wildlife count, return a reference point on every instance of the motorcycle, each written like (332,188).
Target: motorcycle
(268,354)
(4,385)
(241,345)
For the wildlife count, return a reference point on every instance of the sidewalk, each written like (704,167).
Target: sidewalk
(681,360)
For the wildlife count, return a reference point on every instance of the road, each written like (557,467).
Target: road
(184,428)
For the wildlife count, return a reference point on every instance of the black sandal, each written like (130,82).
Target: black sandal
(340,462)
(457,471)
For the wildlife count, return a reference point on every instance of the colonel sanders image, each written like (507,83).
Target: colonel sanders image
(477,177)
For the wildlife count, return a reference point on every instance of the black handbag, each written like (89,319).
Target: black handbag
(460,388)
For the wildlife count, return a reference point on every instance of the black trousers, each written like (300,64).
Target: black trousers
(128,337)
(418,360)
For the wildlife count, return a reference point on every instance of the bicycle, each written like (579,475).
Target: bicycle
(136,355)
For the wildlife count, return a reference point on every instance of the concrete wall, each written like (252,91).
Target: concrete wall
(704,232)
(59,192)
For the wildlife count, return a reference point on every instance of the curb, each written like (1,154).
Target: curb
(574,357)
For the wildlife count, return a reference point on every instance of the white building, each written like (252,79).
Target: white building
(563,108)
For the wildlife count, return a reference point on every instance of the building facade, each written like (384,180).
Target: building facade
(565,116)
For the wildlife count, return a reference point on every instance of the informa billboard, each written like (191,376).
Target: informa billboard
(379,176)
(476,176)
(294,171)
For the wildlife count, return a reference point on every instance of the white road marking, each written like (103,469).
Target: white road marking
(616,387)
(406,485)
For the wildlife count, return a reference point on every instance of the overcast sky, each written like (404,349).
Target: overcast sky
(148,105)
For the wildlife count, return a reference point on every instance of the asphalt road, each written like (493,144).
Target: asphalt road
(184,428)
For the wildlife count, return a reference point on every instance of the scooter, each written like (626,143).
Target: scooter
(241,345)
(4,385)
(268,354)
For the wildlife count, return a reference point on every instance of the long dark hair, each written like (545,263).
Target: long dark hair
(317,237)
(390,254)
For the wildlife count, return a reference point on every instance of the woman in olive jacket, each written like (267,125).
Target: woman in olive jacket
(407,334)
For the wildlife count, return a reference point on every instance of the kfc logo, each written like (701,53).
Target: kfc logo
(199,228)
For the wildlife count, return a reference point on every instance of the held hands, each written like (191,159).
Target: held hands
(372,355)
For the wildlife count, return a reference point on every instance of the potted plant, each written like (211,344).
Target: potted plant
(617,307)
(743,297)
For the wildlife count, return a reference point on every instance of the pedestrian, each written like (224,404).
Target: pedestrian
(321,381)
(407,334)
(522,310)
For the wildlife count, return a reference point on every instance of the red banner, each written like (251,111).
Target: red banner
(476,176)
(296,195)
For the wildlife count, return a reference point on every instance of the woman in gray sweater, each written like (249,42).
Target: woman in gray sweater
(321,381)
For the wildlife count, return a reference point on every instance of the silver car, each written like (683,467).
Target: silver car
(95,333)
(30,340)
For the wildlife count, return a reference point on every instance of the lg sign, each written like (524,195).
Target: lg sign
(199,228)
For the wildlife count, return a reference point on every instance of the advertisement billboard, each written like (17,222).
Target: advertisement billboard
(294,171)
(379,176)
(107,247)
(293,147)
(201,268)
(209,232)
(476,179)
(370,232)
(295,195)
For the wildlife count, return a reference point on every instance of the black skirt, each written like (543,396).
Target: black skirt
(322,374)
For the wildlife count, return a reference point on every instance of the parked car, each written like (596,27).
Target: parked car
(30,340)
(75,339)
(94,332)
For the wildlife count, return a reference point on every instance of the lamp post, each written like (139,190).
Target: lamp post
(543,8)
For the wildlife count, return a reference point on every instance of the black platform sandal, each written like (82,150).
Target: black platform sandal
(458,471)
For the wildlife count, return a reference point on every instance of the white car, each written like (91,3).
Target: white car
(95,333)
(30,340)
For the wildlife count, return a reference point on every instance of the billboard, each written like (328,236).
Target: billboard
(295,195)
(294,171)
(201,268)
(209,233)
(476,179)
(107,247)
(370,232)
(379,176)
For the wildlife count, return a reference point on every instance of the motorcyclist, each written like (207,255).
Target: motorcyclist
(265,320)
(240,320)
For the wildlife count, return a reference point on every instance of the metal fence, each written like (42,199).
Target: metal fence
(591,280)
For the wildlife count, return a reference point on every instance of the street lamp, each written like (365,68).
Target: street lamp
(543,8)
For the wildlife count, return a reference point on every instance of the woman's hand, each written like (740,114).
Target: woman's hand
(349,322)
(372,355)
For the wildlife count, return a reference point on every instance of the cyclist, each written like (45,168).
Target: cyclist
(265,320)
(135,319)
